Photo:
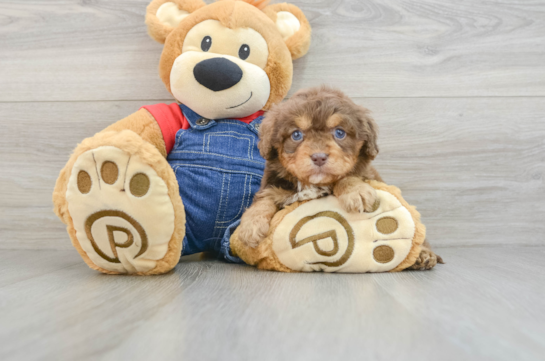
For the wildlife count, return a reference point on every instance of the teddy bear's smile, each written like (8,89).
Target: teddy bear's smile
(246,101)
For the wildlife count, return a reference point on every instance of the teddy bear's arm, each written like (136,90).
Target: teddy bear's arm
(140,122)
(143,124)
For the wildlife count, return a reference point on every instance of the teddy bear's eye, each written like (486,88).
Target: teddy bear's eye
(244,52)
(297,135)
(206,43)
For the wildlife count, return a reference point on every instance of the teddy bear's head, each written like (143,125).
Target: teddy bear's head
(228,59)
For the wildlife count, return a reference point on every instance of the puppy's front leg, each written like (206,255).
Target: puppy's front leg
(254,224)
(355,195)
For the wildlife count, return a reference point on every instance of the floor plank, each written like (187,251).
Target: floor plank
(484,304)
(99,50)
(474,167)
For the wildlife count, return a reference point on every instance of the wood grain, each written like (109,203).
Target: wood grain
(99,50)
(473,166)
(481,305)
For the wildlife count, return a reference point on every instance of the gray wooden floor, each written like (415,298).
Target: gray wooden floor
(458,90)
(485,304)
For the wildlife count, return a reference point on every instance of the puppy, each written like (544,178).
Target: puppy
(319,142)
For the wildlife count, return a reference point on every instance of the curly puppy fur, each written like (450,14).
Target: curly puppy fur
(318,139)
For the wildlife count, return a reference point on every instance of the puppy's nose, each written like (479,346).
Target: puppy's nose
(217,73)
(319,158)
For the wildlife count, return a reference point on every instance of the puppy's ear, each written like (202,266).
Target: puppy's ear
(266,135)
(162,16)
(369,134)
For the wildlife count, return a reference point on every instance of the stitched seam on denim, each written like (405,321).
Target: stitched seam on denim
(179,134)
(219,155)
(227,196)
(218,169)
(233,122)
(219,208)
(241,203)
(249,192)
(233,132)
(244,137)
(225,208)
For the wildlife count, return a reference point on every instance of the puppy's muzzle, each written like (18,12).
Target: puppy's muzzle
(319,159)
(217,74)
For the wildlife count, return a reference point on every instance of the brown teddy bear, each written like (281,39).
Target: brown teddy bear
(173,179)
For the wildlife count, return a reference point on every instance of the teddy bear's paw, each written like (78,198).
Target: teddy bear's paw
(321,235)
(121,210)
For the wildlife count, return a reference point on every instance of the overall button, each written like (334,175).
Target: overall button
(257,126)
(203,121)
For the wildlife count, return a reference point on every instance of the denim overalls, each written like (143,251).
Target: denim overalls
(219,170)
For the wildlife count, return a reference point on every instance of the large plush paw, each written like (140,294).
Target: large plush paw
(360,199)
(321,235)
(253,229)
(426,260)
(121,211)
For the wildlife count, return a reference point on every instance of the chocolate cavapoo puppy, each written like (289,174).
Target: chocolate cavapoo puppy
(319,142)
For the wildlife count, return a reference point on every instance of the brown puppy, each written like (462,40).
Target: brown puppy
(317,143)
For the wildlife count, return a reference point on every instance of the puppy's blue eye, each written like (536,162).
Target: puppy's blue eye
(297,135)
(340,134)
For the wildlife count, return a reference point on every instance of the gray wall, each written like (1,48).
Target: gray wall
(457,89)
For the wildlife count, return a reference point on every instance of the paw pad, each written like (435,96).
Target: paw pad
(383,254)
(139,185)
(84,182)
(109,172)
(386,225)
(121,210)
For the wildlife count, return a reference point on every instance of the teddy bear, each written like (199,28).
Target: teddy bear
(174,179)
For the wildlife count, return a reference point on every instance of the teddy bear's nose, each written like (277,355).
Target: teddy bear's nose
(217,73)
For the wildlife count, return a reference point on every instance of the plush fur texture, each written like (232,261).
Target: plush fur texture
(263,257)
(143,124)
(158,30)
(299,43)
(131,143)
(235,14)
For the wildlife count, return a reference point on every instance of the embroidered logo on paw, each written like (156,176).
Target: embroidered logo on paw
(331,234)
(115,230)
(321,236)
(120,209)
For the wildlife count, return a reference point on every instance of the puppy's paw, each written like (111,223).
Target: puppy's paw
(253,229)
(361,199)
(426,260)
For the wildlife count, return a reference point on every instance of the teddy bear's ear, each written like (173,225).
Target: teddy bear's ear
(162,16)
(293,26)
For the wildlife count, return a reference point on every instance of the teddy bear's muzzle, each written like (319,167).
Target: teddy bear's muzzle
(217,74)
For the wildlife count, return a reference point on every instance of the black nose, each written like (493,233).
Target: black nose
(217,73)
(319,158)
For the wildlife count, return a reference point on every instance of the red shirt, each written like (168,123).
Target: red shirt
(171,119)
